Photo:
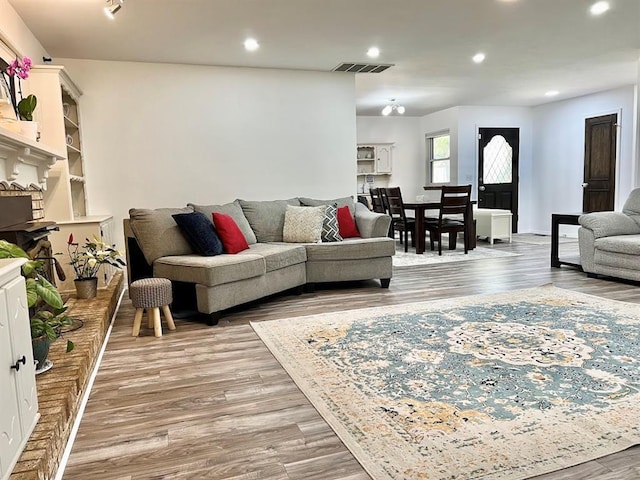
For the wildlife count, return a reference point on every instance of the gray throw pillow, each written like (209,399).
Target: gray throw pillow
(157,232)
(267,217)
(232,209)
(339,202)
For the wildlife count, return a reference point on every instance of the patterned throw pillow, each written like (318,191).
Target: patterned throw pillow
(330,229)
(303,224)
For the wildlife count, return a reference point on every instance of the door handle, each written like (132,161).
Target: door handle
(481,188)
(22,360)
(585,185)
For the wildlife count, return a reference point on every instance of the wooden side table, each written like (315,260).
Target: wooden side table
(558,219)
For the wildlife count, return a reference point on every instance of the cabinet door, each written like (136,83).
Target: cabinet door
(10,430)
(21,341)
(383,159)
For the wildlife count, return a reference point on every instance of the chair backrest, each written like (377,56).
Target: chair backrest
(455,200)
(376,200)
(393,198)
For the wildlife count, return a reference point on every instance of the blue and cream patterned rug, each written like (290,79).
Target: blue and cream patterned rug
(502,386)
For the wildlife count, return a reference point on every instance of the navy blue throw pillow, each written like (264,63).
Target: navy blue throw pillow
(200,233)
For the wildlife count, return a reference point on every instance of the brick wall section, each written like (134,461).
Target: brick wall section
(61,388)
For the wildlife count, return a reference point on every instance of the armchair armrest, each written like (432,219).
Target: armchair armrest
(607,224)
(371,224)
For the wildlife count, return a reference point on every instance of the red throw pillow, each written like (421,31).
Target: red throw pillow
(346,223)
(230,234)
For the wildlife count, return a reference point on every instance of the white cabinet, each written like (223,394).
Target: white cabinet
(59,118)
(18,398)
(374,165)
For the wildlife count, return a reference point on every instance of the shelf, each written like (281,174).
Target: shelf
(68,123)
(71,148)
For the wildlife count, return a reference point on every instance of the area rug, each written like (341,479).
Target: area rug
(411,259)
(502,386)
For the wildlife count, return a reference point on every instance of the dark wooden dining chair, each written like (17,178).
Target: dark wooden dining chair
(455,215)
(399,220)
(376,200)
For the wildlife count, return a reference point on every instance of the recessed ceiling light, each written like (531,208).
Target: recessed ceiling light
(373,52)
(251,44)
(551,93)
(479,57)
(599,8)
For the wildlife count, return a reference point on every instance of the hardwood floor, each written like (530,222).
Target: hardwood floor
(212,402)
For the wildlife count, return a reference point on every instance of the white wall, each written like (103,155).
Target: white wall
(163,135)
(408,167)
(17,36)
(558,152)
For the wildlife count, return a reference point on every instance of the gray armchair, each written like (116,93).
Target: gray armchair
(610,241)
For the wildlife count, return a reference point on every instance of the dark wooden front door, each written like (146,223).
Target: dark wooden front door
(599,163)
(498,154)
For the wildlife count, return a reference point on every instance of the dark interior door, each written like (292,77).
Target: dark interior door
(498,154)
(599,163)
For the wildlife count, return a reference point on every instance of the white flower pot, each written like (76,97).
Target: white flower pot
(29,130)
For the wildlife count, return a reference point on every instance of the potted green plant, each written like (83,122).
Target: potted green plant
(47,312)
(86,261)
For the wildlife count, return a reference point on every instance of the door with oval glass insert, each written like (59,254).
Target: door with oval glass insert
(498,154)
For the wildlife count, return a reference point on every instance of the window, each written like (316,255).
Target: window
(438,152)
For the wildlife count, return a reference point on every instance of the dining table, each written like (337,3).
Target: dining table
(419,235)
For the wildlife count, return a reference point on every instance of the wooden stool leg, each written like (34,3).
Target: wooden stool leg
(168,317)
(157,326)
(136,322)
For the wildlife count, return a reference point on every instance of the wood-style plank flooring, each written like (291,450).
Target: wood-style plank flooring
(212,402)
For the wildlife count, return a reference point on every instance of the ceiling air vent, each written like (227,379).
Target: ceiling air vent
(362,67)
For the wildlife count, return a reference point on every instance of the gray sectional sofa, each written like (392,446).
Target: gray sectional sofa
(610,241)
(157,247)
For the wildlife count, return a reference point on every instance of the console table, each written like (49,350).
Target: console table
(558,219)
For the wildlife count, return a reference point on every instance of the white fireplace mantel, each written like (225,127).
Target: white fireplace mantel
(25,162)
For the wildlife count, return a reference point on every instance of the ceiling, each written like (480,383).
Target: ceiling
(531,46)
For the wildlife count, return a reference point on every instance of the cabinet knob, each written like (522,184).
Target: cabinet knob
(22,360)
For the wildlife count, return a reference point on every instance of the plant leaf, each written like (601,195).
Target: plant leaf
(70,346)
(48,293)
(32,295)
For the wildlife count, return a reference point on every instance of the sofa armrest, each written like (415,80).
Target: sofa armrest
(607,224)
(371,224)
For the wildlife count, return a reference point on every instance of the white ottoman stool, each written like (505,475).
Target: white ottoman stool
(152,294)
(493,223)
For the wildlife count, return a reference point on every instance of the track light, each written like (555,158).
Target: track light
(393,106)
(113,6)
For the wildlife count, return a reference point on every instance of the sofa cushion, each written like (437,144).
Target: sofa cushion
(230,234)
(338,202)
(626,244)
(605,224)
(210,271)
(232,209)
(347,224)
(267,217)
(351,249)
(330,228)
(199,232)
(157,232)
(303,224)
(279,255)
